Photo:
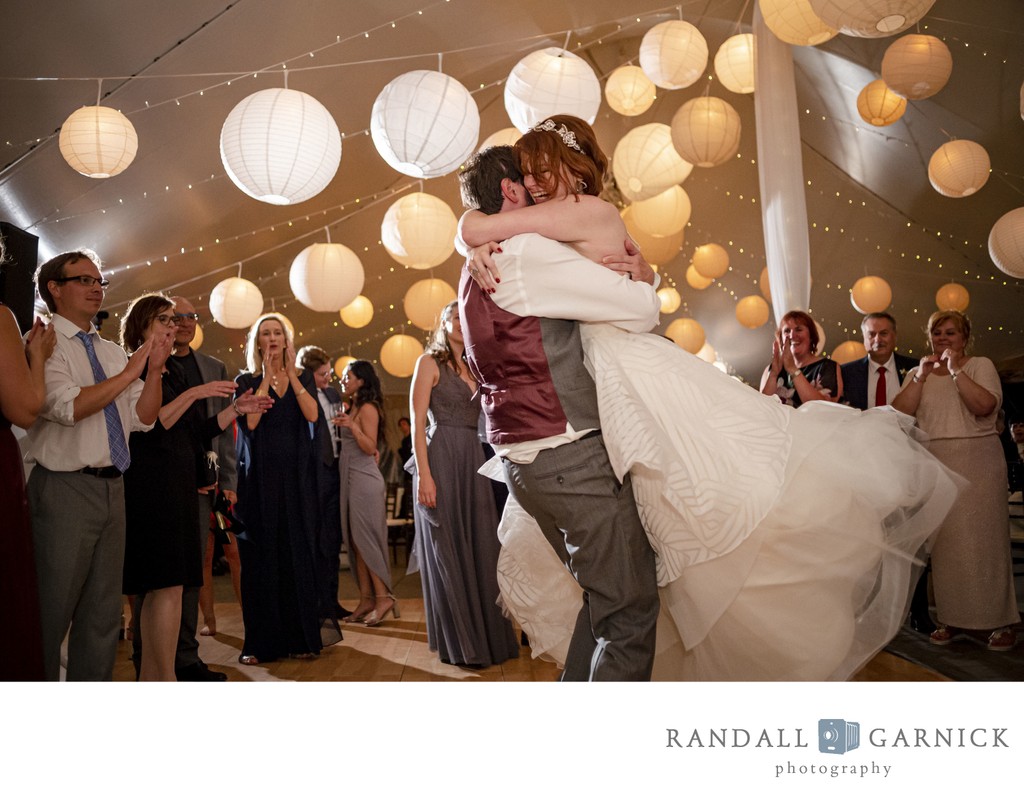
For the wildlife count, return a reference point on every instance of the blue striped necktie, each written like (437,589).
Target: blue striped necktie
(115,432)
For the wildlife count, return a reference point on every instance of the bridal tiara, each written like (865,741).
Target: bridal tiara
(563,131)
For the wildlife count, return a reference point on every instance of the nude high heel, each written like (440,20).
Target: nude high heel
(376,617)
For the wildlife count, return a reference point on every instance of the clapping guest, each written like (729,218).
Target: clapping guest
(797,374)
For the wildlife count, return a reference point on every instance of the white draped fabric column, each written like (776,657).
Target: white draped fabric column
(783,204)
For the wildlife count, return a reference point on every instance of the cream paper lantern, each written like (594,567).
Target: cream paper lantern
(280,146)
(670,300)
(959,168)
(655,249)
(197,340)
(551,81)
(752,311)
(341,363)
(764,285)
(503,137)
(673,54)
(952,296)
(326,277)
(424,124)
(98,142)
(418,231)
(358,313)
(821,335)
(849,351)
(1006,243)
(870,293)
(628,91)
(398,355)
(425,300)
(871,18)
(686,333)
(711,260)
(664,214)
(706,131)
(794,22)
(236,303)
(734,63)
(880,106)
(917,66)
(708,354)
(696,280)
(645,163)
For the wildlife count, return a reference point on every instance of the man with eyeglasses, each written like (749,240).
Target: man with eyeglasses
(94,399)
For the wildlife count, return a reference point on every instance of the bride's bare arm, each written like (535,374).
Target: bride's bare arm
(570,220)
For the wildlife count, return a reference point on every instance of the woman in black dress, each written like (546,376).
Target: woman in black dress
(797,374)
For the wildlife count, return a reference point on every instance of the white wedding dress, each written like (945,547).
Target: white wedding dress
(786,539)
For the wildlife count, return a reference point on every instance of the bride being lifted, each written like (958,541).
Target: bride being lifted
(785,539)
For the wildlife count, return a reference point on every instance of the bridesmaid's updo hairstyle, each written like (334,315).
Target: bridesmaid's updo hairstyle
(563,146)
(140,314)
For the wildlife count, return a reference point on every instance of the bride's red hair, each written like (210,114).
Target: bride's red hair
(546,155)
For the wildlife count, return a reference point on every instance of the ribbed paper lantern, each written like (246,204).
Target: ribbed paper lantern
(696,280)
(673,54)
(1006,243)
(952,296)
(734,63)
(664,214)
(686,333)
(398,355)
(503,137)
(236,303)
(959,168)
(645,163)
(880,106)
(655,249)
(711,260)
(424,301)
(752,311)
(341,363)
(628,91)
(706,131)
(764,285)
(794,22)
(708,354)
(871,18)
(670,300)
(418,231)
(197,340)
(280,146)
(358,313)
(551,81)
(326,277)
(424,124)
(849,351)
(98,142)
(917,66)
(870,293)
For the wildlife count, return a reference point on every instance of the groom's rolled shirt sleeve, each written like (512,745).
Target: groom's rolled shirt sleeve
(545,278)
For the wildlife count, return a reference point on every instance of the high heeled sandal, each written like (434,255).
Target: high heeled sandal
(358,615)
(247,659)
(374,618)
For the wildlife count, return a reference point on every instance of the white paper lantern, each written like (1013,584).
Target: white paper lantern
(711,260)
(708,354)
(706,131)
(645,163)
(425,300)
(870,293)
(952,296)
(752,311)
(503,137)
(849,351)
(341,363)
(98,142)
(734,63)
(670,300)
(880,106)
(871,18)
(764,285)
(398,355)
(696,280)
(628,91)
(358,313)
(673,54)
(655,249)
(326,277)
(197,340)
(664,214)
(418,231)
(687,333)
(1006,243)
(794,21)
(236,303)
(917,66)
(424,124)
(959,168)
(280,146)
(550,82)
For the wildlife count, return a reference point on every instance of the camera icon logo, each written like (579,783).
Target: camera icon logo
(836,736)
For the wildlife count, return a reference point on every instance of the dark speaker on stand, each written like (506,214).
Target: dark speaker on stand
(17,291)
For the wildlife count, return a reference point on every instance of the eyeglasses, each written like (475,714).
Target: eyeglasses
(178,318)
(165,319)
(88,281)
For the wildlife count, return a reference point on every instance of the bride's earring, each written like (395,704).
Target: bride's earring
(581,186)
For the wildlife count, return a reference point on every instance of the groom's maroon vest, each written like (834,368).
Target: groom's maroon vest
(530,369)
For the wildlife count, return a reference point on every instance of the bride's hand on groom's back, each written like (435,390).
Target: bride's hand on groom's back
(482,268)
(630,264)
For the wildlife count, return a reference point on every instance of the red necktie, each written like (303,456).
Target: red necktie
(880,390)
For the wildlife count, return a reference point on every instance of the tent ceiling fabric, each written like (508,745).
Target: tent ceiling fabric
(174,220)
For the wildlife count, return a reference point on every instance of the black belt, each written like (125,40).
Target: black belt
(107,472)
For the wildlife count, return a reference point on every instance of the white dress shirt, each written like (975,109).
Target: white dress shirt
(892,380)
